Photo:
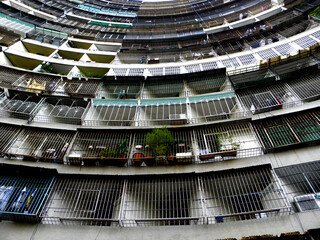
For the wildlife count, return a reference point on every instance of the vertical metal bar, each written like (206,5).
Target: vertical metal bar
(121,215)
(310,185)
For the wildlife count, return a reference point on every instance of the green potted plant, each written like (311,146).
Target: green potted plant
(117,157)
(160,140)
(107,156)
(232,147)
(122,149)
(149,159)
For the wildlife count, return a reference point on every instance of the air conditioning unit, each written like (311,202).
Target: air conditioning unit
(178,119)
(307,202)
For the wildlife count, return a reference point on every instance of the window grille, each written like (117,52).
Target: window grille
(163,112)
(193,68)
(285,49)
(83,201)
(80,88)
(8,134)
(156,71)
(306,42)
(163,88)
(267,54)
(21,106)
(301,182)
(207,83)
(298,68)
(100,147)
(316,35)
(172,70)
(22,197)
(136,71)
(213,108)
(121,88)
(211,198)
(68,111)
(161,201)
(307,88)
(230,62)
(276,96)
(180,152)
(209,66)
(251,193)
(9,76)
(250,77)
(227,142)
(38,83)
(120,71)
(111,113)
(289,130)
(36,144)
(247,59)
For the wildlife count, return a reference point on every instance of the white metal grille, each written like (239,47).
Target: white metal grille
(301,182)
(227,142)
(43,145)
(306,42)
(83,201)
(216,197)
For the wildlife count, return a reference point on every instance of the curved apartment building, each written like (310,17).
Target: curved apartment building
(159,120)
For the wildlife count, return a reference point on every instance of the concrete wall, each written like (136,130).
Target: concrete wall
(298,222)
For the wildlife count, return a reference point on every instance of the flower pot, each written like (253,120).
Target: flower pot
(206,157)
(113,161)
(121,160)
(89,160)
(230,153)
(171,159)
(106,161)
(137,159)
(161,160)
(150,160)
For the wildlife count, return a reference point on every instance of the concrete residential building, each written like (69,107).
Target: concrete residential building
(159,120)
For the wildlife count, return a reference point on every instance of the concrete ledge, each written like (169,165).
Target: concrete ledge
(130,171)
(280,159)
(306,106)
(300,222)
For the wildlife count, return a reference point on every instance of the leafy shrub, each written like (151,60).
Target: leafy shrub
(159,141)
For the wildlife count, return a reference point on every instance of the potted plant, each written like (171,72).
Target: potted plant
(160,140)
(117,157)
(121,151)
(231,149)
(149,159)
(171,159)
(138,156)
(107,156)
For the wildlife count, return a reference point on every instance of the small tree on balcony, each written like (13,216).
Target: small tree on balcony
(160,140)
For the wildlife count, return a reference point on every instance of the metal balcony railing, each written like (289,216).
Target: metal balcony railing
(213,198)
(39,145)
(301,184)
(22,197)
(288,131)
